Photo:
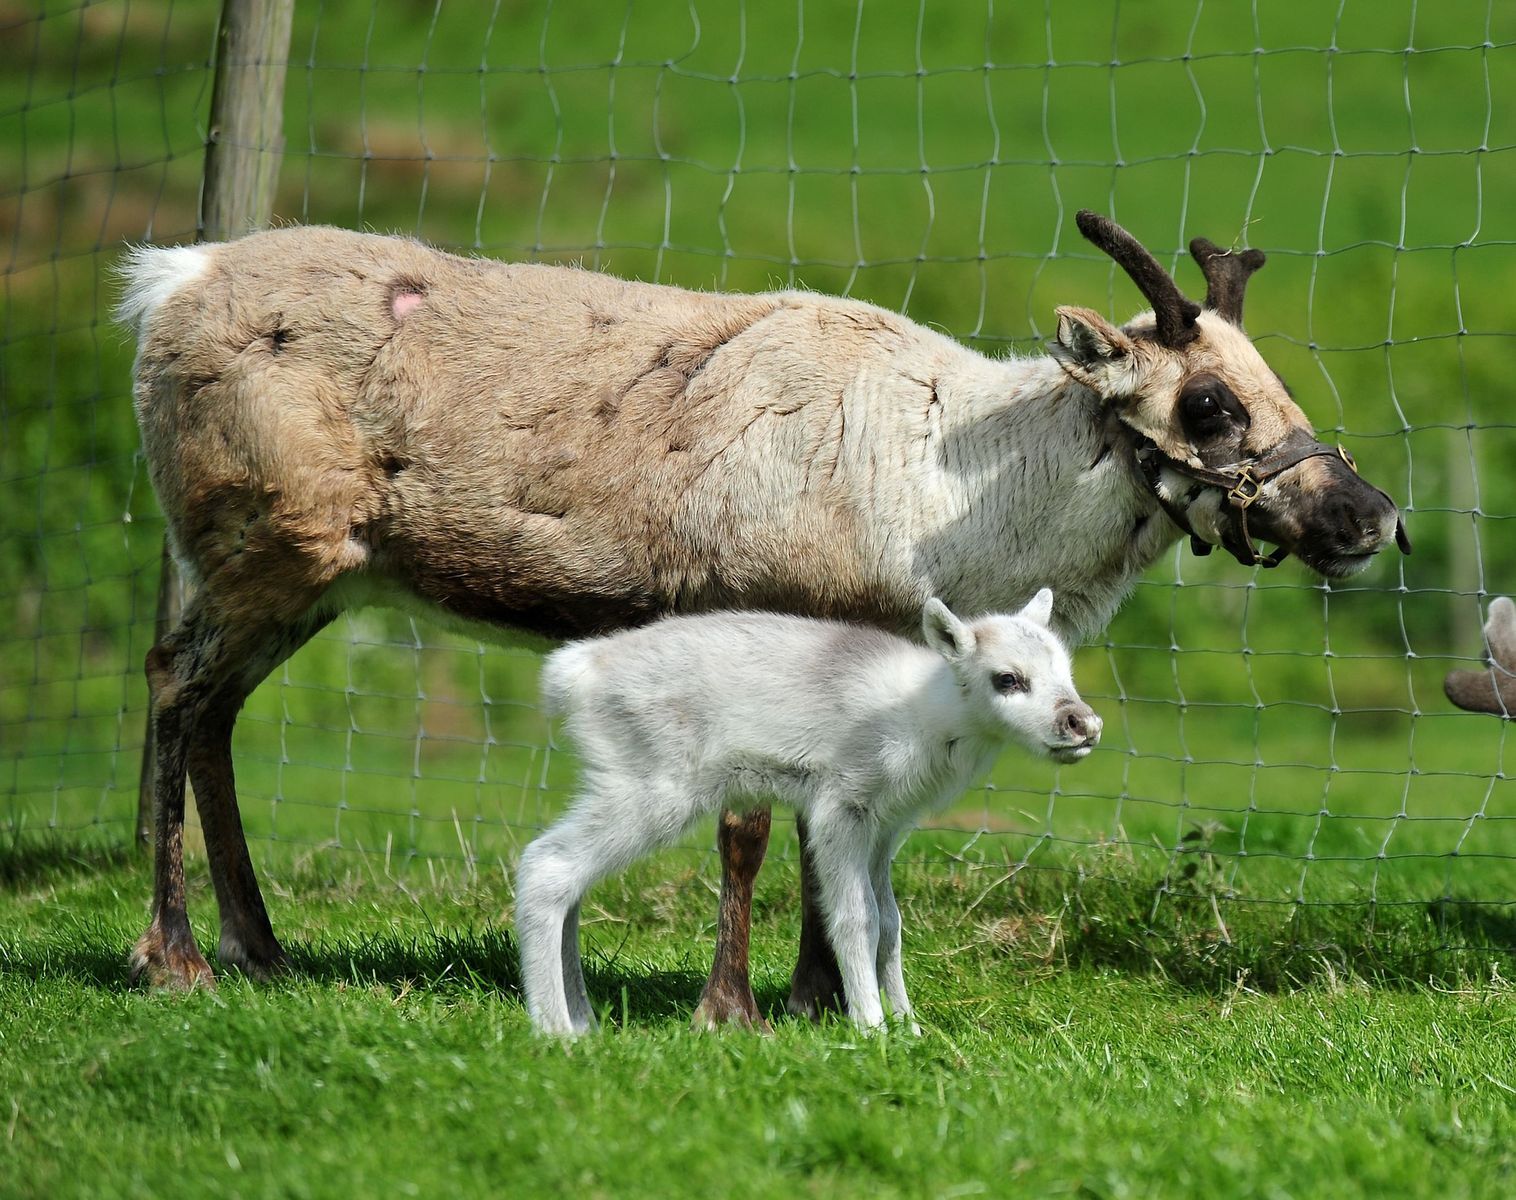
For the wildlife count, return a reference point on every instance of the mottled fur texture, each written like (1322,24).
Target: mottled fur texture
(860,731)
(335,418)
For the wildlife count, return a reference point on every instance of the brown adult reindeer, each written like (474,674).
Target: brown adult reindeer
(333,419)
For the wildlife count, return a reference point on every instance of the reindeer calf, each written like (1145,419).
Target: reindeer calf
(859,731)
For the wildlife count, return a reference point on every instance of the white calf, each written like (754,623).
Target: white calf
(859,731)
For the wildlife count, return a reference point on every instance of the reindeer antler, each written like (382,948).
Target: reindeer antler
(1492,690)
(1175,312)
(1226,275)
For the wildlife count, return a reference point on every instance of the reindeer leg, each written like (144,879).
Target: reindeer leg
(816,985)
(247,937)
(240,622)
(728,997)
(166,955)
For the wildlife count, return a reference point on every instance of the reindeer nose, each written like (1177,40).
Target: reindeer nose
(1078,724)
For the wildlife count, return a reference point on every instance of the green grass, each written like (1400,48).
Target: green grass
(398,1060)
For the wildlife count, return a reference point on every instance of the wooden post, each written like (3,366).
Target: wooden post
(243,153)
(1466,612)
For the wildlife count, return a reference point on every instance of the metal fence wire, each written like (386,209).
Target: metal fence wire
(1273,743)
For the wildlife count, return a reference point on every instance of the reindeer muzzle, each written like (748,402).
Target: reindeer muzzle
(1242,483)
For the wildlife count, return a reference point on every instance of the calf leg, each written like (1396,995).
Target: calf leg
(581,1014)
(842,853)
(887,961)
(606,830)
(742,839)
(548,888)
(816,984)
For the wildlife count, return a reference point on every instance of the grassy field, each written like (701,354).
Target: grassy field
(1256,945)
(399,1061)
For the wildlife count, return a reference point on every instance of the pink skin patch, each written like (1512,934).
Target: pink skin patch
(404,304)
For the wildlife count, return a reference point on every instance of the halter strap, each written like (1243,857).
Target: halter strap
(1242,482)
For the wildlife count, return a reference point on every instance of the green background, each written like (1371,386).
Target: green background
(1272,744)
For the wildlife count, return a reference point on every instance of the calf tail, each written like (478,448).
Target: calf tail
(565,675)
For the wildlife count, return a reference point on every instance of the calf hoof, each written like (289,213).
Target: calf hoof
(169,963)
(728,1009)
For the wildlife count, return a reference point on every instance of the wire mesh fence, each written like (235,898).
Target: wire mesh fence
(1274,744)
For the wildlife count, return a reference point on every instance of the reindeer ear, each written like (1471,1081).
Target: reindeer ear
(1087,338)
(945,633)
(1040,608)
(1092,350)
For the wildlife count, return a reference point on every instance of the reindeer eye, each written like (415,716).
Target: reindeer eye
(1009,683)
(1202,406)
(1207,409)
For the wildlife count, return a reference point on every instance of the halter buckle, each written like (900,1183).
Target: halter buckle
(1245,490)
(1342,453)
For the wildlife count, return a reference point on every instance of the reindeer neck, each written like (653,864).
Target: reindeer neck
(1035,484)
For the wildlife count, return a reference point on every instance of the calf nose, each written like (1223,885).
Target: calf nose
(1078,723)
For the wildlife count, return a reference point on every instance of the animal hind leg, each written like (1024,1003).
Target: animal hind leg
(200,660)
(545,894)
(742,839)
(816,985)
(197,677)
(554,873)
(247,936)
(166,954)
(610,826)
(581,1013)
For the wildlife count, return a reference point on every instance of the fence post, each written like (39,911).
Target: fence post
(244,148)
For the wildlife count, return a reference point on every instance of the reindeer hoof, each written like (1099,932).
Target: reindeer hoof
(720,1009)
(261,958)
(169,963)
(813,993)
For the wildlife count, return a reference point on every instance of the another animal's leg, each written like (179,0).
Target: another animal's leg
(581,1014)
(247,937)
(887,962)
(843,850)
(742,839)
(816,984)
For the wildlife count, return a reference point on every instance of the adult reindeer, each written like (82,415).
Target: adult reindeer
(333,419)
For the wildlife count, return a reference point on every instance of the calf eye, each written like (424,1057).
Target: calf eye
(1008,683)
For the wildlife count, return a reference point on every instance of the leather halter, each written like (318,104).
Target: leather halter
(1242,482)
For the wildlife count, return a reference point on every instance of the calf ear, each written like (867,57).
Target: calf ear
(1040,608)
(945,633)
(1093,350)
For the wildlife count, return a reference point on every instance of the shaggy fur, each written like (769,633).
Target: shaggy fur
(860,731)
(335,418)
